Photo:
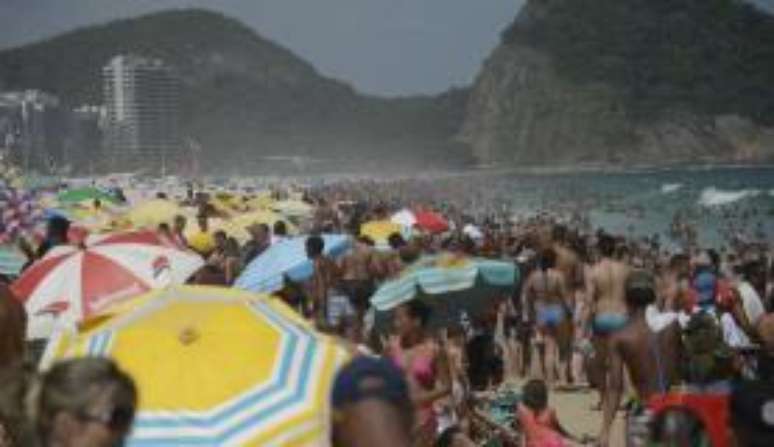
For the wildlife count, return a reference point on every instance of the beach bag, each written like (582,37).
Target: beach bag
(708,357)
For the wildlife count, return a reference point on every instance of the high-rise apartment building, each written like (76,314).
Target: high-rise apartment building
(32,128)
(142,100)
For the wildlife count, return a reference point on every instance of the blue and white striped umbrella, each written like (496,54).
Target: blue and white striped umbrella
(450,284)
(288,257)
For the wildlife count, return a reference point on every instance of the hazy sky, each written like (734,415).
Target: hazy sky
(389,47)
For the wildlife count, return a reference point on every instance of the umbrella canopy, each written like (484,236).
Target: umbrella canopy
(237,226)
(217,366)
(380,231)
(431,221)
(404,218)
(450,284)
(293,208)
(153,212)
(266,273)
(262,200)
(78,281)
(83,194)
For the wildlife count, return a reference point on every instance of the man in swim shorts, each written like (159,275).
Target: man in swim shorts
(606,310)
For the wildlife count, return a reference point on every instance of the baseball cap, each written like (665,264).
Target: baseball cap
(368,377)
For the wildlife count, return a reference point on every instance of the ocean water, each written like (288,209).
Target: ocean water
(643,203)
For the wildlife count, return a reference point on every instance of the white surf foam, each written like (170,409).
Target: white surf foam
(717,197)
(669,188)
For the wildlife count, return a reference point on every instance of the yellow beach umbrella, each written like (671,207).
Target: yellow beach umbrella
(379,229)
(153,212)
(293,208)
(262,200)
(217,366)
(237,226)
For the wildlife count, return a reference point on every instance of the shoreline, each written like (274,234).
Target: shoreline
(618,169)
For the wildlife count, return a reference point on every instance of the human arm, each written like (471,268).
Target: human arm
(564,293)
(499,335)
(588,307)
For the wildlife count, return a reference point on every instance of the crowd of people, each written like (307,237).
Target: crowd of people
(622,316)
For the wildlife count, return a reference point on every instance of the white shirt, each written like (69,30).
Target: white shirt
(732,333)
(751,302)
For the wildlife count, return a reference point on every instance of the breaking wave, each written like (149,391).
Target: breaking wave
(717,197)
(669,188)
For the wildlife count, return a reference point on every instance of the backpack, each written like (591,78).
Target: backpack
(708,358)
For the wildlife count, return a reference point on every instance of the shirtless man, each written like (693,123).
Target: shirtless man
(651,358)
(606,309)
(546,292)
(569,265)
(357,275)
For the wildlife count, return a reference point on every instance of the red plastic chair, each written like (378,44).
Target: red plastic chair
(710,409)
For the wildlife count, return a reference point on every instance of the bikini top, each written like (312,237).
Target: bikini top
(422,367)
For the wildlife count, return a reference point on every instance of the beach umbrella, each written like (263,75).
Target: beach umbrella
(404,218)
(151,213)
(85,194)
(266,273)
(293,208)
(237,226)
(450,284)
(380,231)
(73,282)
(216,366)
(431,221)
(262,200)
(11,260)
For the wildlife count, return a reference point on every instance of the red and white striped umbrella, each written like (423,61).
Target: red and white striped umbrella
(79,281)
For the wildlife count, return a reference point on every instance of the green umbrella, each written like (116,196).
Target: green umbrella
(84,194)
(450,285)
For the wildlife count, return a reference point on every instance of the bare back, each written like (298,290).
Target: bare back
(357,266)
(651,358)
(546,287)
(608,280)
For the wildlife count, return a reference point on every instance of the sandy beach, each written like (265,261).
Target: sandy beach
(575,413)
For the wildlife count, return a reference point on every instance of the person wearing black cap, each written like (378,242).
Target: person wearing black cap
(371,405)
(651,358)
(56,234)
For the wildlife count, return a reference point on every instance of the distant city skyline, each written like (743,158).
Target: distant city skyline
(389,48)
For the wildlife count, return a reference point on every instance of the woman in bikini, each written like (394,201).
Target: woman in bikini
(424,363)
(547,292)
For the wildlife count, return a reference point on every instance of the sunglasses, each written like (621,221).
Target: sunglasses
(118,419)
